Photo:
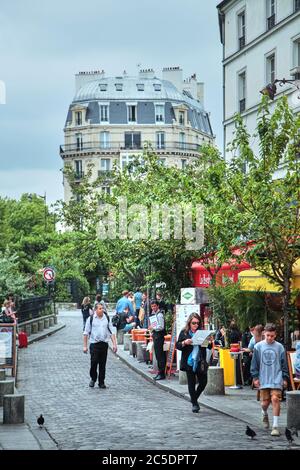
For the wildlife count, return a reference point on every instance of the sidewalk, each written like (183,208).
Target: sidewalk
(239,404)
(21,436)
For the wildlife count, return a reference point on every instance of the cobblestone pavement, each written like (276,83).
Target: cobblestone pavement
(130,414)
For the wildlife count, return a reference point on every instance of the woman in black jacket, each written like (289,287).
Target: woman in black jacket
(193,359)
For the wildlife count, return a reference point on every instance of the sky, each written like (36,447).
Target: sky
(43,44)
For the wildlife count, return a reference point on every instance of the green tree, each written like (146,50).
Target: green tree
(258,205)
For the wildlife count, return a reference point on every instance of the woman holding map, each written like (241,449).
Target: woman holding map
(193,358)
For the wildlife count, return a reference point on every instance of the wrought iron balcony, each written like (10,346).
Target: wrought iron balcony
(116,147)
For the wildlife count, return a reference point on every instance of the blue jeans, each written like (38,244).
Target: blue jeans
(128,327)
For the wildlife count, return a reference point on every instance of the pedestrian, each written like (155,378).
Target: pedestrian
(157,326)
(99,330)
(146,310)
(257,336)
(126,322)
(161,303)
(193,359)
(99,300)
(234,334)
(124,302)
(138,303)
(86,310)
(270,374)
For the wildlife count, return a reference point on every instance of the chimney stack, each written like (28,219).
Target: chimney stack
(82,78)
(173,75)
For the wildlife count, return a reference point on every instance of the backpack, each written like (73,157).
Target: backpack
(116,320)
(91,322)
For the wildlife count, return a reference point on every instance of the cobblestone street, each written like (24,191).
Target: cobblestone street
(130,414)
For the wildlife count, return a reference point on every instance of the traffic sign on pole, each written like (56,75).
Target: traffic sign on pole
(49,274)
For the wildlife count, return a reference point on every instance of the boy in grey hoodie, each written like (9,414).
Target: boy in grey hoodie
(270,373)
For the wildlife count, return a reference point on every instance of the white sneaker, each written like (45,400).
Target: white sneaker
(275,432)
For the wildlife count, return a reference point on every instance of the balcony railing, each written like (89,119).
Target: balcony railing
(271,22)
(242,42)
(106,173)
(120,146)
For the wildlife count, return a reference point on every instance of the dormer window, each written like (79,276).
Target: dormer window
(78,118)
(157,86)
(181,118)
(103,86)
(132,112)
(104,113)
(140,86)
(119,86)
(159,113)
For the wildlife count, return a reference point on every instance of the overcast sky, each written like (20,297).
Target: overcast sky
(43,43)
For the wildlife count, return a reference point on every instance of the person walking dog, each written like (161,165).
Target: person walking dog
(99,330)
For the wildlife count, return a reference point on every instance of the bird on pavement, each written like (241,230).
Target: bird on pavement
(40,421)
(294,432)
(250,432)
(288,435)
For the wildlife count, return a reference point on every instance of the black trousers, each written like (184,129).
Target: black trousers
(191,378)
(98,357)
(158,343)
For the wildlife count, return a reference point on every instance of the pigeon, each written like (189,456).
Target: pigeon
(294,432)
(288,435)
(250,432)
(40,421)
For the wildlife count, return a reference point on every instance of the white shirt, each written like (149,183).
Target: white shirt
(99,331)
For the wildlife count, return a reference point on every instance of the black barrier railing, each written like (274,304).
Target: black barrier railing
(35,307)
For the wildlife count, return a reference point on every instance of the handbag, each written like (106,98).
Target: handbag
(203,366)
(141,314)
(4,318)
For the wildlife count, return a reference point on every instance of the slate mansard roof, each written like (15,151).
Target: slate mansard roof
(145,93)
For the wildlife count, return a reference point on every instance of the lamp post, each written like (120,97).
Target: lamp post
(271,89)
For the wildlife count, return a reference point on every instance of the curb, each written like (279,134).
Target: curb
(46,334)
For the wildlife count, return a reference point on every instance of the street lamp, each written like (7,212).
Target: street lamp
(271,89)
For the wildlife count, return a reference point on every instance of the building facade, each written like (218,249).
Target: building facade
(261,43)
(111,118)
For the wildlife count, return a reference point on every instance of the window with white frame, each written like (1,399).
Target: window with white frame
(296,53)
(78,169)
(79,142)
(181,118)
(242,29)
(104,113)
(126,159)
(183,163)
(271,13)
(181,140)
(106,190)
(105,164)
(242,91)
(160,140)
(78,118)
(104,140)
(270,68)
(132,140)
(159,113)
(131,112)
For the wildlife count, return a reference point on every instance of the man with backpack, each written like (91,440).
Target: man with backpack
(99,330)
